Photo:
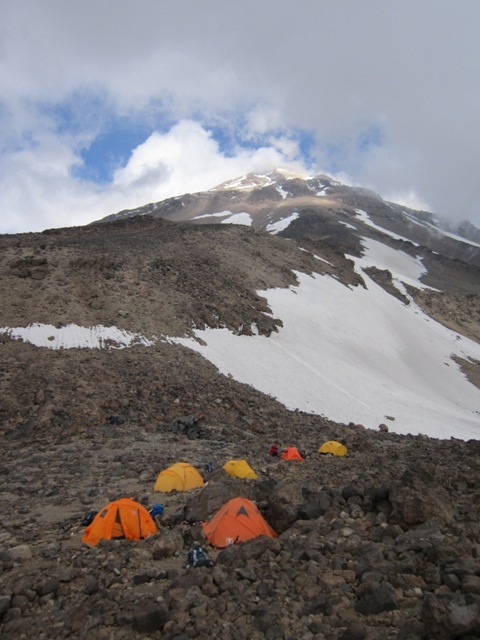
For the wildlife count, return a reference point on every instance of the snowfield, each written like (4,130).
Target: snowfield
(356,355)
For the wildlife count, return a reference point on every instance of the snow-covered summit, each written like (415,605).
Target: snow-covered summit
(266,178)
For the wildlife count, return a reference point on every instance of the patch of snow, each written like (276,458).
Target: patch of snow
(265,178)
(249,181)
(413,219)
(280,225)
(291,173)
(322,193)
(218,214)
(242,218)
(283,193)
(233,184)
(354,355)
(322,260)
(239,218)
(453,236)
(365,218)
(346,224)
(403,267)
(73,336)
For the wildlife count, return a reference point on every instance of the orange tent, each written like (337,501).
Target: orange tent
(123,518)
(238,520)
(291,453)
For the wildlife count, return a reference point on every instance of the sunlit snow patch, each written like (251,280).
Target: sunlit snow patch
(281,225)
(283,193)
(73,336)
(249,181)
(218,214)
(346,224)
(239,218)
(322,260)
(365,218)
(404,268)
(242,218)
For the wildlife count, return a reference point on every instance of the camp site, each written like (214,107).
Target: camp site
(221,525)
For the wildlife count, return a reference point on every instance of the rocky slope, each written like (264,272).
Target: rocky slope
(381,544)
(323,209)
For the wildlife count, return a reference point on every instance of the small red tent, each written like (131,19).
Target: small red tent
(238,520)
(291,453)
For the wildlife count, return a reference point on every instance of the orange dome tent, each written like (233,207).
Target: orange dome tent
(238,520)
(291,453)
(180,476)
(240,469)
(123,518)
(333,447)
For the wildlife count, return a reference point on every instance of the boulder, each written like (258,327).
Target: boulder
(149,618)
(282,508)
(379,598)
(449,616)
(215,494)
(317,506)
(20,553)
(168,544)
(417,502)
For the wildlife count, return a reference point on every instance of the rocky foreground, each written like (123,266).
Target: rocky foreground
(384,543)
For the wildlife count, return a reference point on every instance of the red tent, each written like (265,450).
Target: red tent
(291,453)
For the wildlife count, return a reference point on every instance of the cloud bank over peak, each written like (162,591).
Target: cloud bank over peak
(184,159)
(112,100)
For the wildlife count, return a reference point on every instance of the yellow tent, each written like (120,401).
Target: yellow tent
(180,476)
(334,447)
(240,469)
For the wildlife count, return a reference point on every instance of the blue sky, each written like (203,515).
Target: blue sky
(110,150)
(107,106)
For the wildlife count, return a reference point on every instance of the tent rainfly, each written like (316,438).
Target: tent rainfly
(333,447)
(123,518)
(240,469)
(237,521)
(180,476)
(291,453)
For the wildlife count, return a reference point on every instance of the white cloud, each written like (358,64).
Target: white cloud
(334,68)
(408,199)
(39,191)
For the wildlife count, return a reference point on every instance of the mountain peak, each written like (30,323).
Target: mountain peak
(263,178)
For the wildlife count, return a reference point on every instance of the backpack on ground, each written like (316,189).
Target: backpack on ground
(156,510)
(198,558)
(88,518)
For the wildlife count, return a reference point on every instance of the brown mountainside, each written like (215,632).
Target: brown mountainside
(381,544)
